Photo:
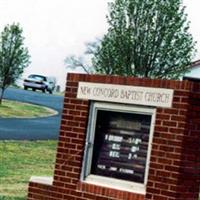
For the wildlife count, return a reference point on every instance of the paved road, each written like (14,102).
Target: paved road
(32,129)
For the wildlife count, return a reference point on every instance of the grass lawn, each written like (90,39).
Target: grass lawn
(19,160)
(16,109)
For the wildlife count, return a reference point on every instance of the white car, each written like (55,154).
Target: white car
(40,82)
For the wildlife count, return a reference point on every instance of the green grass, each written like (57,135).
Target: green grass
(16,109)
(19,160)
(11,198)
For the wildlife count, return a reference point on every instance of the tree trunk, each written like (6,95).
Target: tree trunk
(1,95)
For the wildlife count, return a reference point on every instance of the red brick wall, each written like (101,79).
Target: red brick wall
(174,172)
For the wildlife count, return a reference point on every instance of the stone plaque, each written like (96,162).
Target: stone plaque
(158,97)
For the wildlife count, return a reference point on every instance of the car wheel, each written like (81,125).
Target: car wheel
(50,91)
(25,87)
(43,90)
(33,89)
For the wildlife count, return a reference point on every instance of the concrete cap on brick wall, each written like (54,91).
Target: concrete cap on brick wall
(42,180)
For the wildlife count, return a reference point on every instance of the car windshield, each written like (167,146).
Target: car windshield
(37,77)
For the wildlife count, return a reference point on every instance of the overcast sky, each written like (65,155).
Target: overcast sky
(56,28)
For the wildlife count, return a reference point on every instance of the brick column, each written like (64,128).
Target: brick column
(174,164)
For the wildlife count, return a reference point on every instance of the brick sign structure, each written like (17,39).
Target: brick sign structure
(125,139)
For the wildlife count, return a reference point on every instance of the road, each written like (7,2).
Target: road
(32,129)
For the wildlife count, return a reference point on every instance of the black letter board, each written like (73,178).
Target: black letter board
(120,145)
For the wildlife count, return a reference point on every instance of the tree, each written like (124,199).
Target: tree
(146,39)
(14,56)
(82,62)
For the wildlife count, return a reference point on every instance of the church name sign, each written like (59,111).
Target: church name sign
(148,96)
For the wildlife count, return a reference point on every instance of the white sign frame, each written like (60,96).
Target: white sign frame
(119,184)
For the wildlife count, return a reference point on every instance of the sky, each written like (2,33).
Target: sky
(55,29)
